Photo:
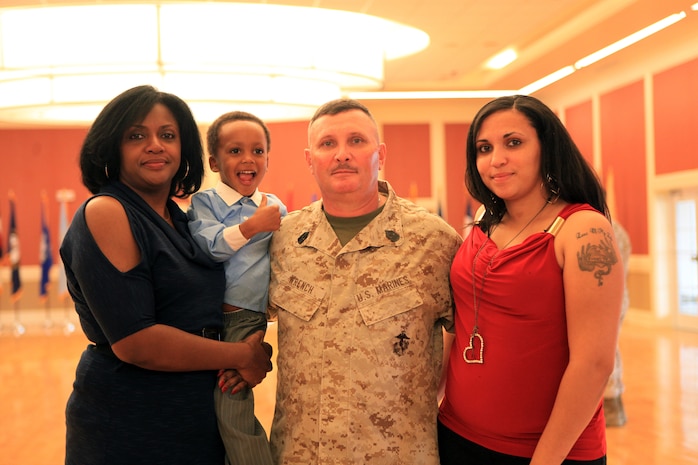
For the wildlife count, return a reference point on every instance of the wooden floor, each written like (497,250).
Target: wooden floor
(661,398)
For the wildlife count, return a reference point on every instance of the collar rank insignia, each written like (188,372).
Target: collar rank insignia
(303,237)
(392,235)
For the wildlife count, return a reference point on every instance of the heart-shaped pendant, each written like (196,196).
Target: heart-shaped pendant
(473,353)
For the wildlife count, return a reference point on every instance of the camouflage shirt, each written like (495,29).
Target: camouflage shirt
(360,339)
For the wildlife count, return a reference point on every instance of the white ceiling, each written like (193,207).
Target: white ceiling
(548,34)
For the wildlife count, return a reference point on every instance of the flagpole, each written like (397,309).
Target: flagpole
(64,196)
(68,327)
(48,321)
(14,257)
(19,327)
(45,261)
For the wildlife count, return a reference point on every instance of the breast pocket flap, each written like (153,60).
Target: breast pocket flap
(296,296)
(377,306)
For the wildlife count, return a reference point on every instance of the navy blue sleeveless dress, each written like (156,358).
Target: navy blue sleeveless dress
(119,413)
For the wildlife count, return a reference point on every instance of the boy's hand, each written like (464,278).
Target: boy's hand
(231,380)
(267,218)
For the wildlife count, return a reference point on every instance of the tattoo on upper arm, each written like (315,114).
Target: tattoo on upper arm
(597,258)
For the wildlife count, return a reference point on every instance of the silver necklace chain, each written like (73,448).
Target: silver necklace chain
(477,297)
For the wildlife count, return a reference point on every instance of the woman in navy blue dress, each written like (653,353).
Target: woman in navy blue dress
(148,299)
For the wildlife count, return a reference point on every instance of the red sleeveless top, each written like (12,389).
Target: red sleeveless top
(504,403)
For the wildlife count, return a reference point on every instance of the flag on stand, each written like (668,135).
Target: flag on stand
(13,253)
(45,253)
(62,228)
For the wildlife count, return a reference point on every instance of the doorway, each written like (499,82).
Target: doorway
(685,203)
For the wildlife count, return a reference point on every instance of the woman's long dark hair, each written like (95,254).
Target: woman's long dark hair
(564,170)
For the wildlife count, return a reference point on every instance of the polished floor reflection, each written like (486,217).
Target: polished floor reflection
(661,398)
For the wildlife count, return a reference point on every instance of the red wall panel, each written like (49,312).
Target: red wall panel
(288,176)
(408,161)
(457,195)
(676,118)
(623,153)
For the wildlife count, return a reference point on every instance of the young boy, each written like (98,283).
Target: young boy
(233,222)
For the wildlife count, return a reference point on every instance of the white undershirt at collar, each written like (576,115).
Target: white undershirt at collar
(230,195)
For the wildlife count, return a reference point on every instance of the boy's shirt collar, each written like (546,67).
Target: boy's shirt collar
(230,195)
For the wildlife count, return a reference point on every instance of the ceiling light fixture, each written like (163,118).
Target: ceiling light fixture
(502,59)
(547,80)
(276,61)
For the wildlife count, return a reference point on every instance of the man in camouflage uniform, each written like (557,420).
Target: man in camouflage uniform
(360,284)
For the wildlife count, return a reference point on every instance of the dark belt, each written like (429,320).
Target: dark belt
(211,333)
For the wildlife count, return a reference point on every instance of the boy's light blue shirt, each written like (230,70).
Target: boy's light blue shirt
(215,215)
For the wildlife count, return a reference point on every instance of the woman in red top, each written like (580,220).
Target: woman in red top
(538,286)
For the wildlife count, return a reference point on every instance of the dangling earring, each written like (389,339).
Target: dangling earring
(552,187)
(186,171)
(106,170)
(494,203)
